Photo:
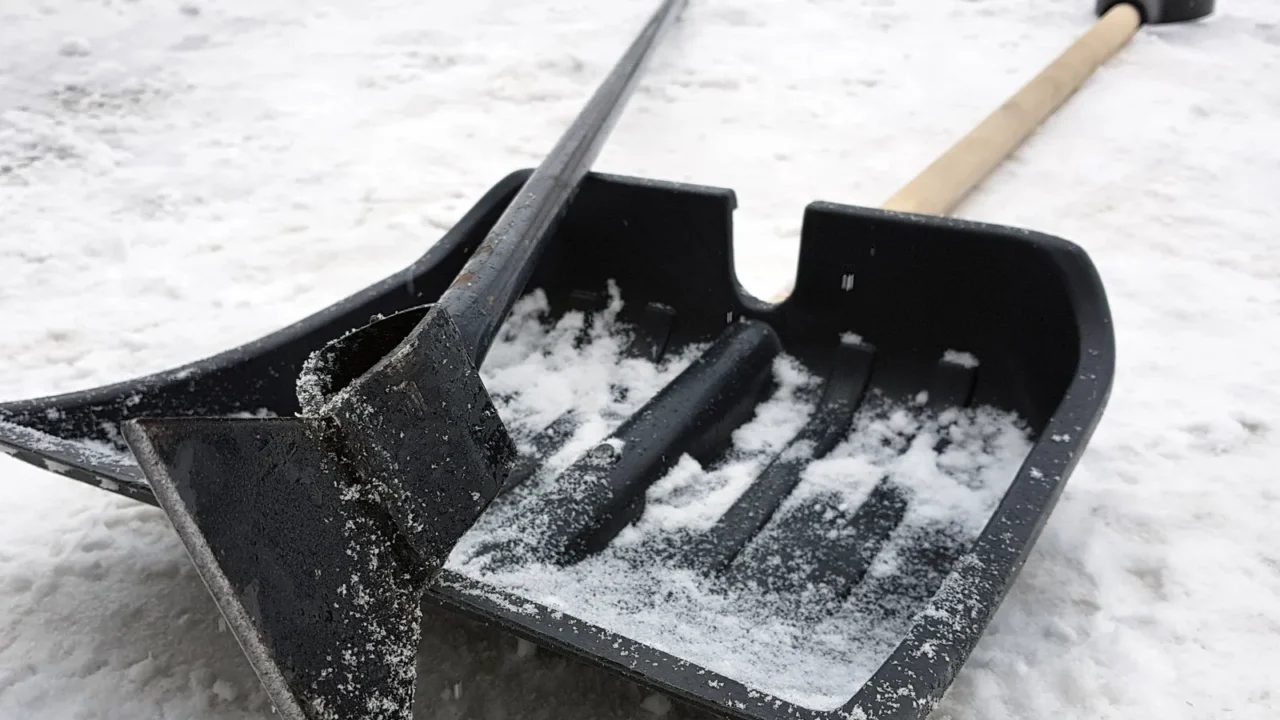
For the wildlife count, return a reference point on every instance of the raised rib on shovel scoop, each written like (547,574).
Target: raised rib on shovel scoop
(568,419)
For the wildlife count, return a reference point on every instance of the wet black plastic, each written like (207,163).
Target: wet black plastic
(255,544)
(318,534)
(1029,305)
(1156,12)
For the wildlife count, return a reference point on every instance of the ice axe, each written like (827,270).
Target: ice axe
(949,179)
(317,534)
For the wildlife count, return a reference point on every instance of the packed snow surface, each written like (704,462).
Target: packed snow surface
(179,176)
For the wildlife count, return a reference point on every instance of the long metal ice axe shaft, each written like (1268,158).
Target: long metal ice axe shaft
(495,276)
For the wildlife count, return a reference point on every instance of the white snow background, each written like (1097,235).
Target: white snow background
(178,177)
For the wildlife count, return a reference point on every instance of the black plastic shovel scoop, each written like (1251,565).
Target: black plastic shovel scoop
(568,419)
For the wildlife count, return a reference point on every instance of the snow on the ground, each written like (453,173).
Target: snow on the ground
(179,176)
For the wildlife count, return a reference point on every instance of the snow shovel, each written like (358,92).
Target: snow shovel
(803,509)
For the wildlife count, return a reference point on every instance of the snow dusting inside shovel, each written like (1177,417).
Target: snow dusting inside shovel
(576,426)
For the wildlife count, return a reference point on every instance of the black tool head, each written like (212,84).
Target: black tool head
(806,510)
(766,565)
(1155,12)
(318,534)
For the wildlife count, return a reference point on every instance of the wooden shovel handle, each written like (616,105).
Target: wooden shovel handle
(942,185)
(949,179)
